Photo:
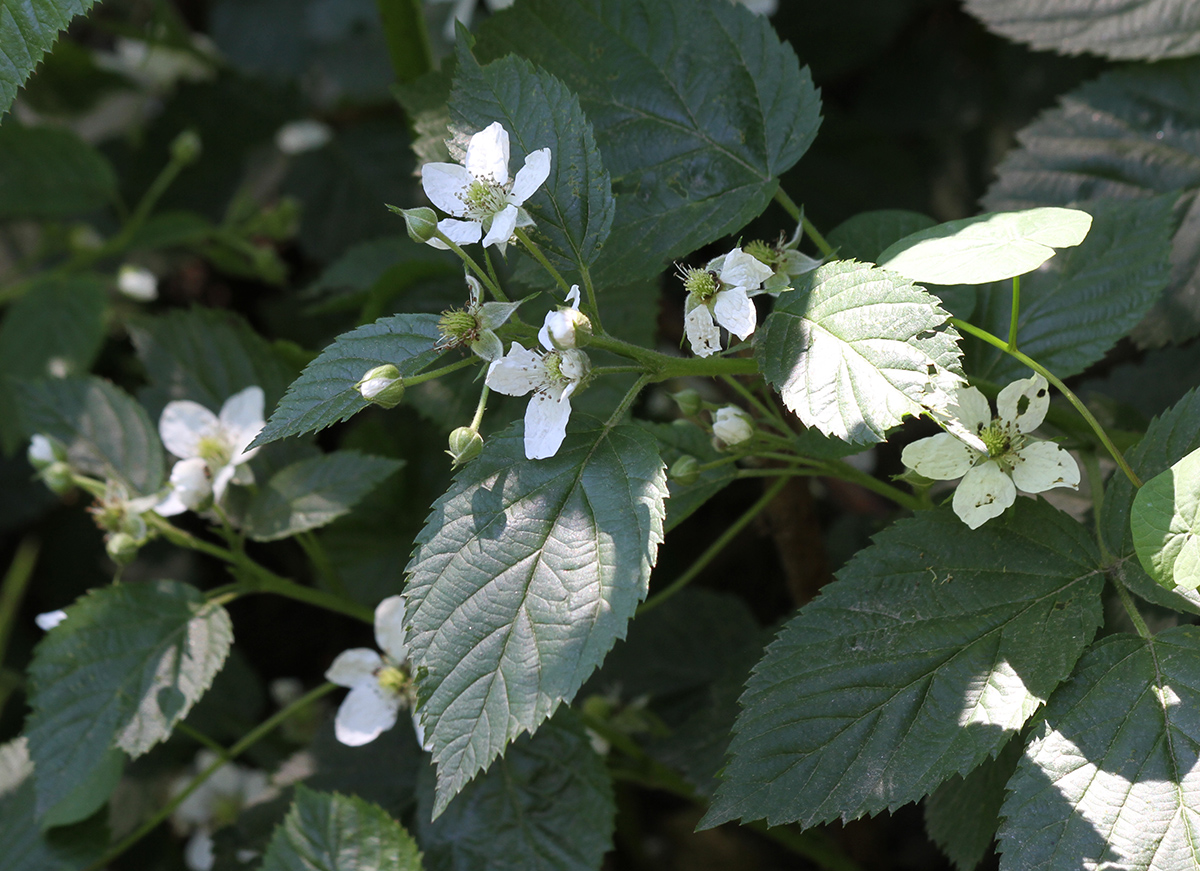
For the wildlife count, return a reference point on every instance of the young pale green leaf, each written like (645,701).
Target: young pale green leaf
(45,172)
(334,832)
(695,131)
(324,393)
(573,210)
(1165,524)
(547,805)
(314,492)
(105,431)
(853,349)
(525,574)
(987,247)
(1086,298)
(26,848)
(962,815)
(1169,439)
(126,664)
(1137,30)
(1109,776)
(1128,135)
(856,709)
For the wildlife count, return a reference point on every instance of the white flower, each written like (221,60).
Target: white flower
(719,294)
(1010,460)
(42,452)
(49,619)
(481,193)
(137,283)
(732,426)
(552,375)
(212,448)
(307,134)
(475,325)
(562,327)
(464,10)
(379,685)
(216,802)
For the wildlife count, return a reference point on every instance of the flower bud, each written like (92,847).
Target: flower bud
(58,477)
(382,385)
(689,401)
(137,283)
(42,452)
(297,137)
(732,426)
(421,222)
(565,329)
(186,148)
(685,470)
(49,619)
(465,445)
(122,548)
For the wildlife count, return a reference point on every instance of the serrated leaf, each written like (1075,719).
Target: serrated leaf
(929,651)
(27,31)
(334,832)
(1169,438)
(1165,523)
(105,431)
(694,131)
(1085,299)
(45,172)
(525,574)
(314,492)
(1128,135)
(963,813)
(324,394)
(547,805)
(573,210)
(1132,30)
(26,847)
(853,349)
(126,664)
(985,248)
(1109,776)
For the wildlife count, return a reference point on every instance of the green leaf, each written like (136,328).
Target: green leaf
(1165,523)
(1086,299)
(683,437)
(314,492)
(1168,439)
(126,664)
(573,210)
(1109,777)
(106,433)
(49,173)
(929,651)
(868,234)
(324,393)
(1137,30)
(525,574)
(694,131)
(1128,135)
(26,848)
(27,31)
(334,832)
(378,273)
(986,248)
(963,813)
(547,805)
(853,349)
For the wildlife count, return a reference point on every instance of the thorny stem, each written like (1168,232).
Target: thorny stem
(410,380)
(533,249)
(1057,382)
(811,231)
(1016,310)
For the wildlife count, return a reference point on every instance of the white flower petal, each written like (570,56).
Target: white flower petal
(389,628)
(487,154)
(445,184)
(190,484)
(1043,466)
(702,332)
(970,408)
(242,420)
(170,506)
(531,176)
(41,451)
(941,457)
(459,232)
(744,270)
(1024,403)
(183,424)
(985,492)
(367,711)
(198,853)
(732,426)
(222,480)
(735,312)
(353,667)
(546,424)
(425,745)
(503,224)
(573,296)
(517,372)
(49,619)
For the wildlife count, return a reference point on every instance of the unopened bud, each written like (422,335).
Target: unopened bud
(732,426)
(421,222)
(298,137)
(58,477)
(565,329)
(382,385)
(685,470)
(137,283)
(186,148)
(689,402)
(42,452)
(122,548)
(465,445)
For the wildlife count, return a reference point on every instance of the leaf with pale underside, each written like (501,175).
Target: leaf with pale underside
(1165,523)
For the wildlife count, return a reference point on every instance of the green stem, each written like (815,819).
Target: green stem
(12,590)
(407,37)
(630,395)
(776,473)
(199,737)
(593,311)
(251,738)
(845,471)
(715,548)
(662,367)
(491,268)
(1130,608)
(770,415)
(1016,310)
(257,579)
(810,230)
(480,408)
(1091,464)
(181,538)
(410,380)
(322,565)
(533,249)
(466,258)
(1117,456)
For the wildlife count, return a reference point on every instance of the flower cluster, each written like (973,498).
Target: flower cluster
(719,296)
(475,324)
(216,802)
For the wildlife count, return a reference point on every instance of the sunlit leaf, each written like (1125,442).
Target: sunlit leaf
(1165,524)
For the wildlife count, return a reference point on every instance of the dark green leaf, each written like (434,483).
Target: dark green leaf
(851,349)
(28,29)
(106,432)
(963,813)
(324,393)
(547,805)
(1134,30)
(675,440)
(48,173)
(868,234)
(694,131)
(524,576)
(1109,774)
(374,274)
(1085,299)
(26,848)
(125,665)
(929,651)
(330,832)
(314,492)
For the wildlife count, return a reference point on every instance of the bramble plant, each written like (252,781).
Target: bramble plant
(249,363)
